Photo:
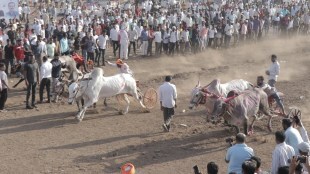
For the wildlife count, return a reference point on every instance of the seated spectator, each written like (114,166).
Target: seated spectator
(292,136)
(249,167)
(237,154)
(281,153)
(212,168)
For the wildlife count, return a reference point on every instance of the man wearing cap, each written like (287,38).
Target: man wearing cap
(304,149)
(237,154)
(123,67)
(167,97)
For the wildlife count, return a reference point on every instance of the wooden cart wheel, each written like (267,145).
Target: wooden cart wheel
(150,98)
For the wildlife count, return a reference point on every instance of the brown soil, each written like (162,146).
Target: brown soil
(49,139)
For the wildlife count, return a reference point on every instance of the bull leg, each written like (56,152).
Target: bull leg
(245,127)
(105,102)
(136,96)
(87,104)
(127,102)
(251,128)
(269,119)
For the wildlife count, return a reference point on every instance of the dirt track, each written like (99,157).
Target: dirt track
(49,140)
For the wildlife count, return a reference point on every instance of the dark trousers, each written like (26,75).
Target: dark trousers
(31,88)
(133,43)
(165,47)
(101,54)
(157,48)
(172,47)
(168,113)
(45,82)
(3,98)
(150,47)
(115,46)
(7,63)
(91,56)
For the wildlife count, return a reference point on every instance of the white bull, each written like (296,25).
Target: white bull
(202,95)
(97,86)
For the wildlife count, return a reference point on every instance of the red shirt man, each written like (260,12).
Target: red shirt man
(18,51)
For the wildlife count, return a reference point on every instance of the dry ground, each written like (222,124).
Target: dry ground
(49,140)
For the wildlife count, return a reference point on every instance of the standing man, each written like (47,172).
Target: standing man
(237,154)
(3,87)
(19,52)
(8,56)
(114,34)
(46,75)
(56,70)
(124,42)
(145,42)
(273,71)
(173,40)
(102,44)
(64,45)
(281,153)
(133,36)
(167,97)
(31,74)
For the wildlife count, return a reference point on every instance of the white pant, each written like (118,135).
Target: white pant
(124,51)
(145,44)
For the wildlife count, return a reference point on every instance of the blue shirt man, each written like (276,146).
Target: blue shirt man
(237,154)
(144,35)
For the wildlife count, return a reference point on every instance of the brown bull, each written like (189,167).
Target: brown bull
(239,109)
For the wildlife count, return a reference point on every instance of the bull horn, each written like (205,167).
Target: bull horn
(198,84)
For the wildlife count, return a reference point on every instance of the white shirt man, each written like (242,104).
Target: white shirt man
(229,29)
(46,75)
(124,41)
(132,35)
(167,98)
(114,34)
(102,41)
(281,153)
(42,47)
(33,39)
(293,138)
(173,36)
(46,70)
(185,36)
(158,37)
(274,71)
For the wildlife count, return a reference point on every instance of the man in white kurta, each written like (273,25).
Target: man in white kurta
(124,42)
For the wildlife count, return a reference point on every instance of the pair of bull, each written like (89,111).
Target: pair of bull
(95,86)
(237,101)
